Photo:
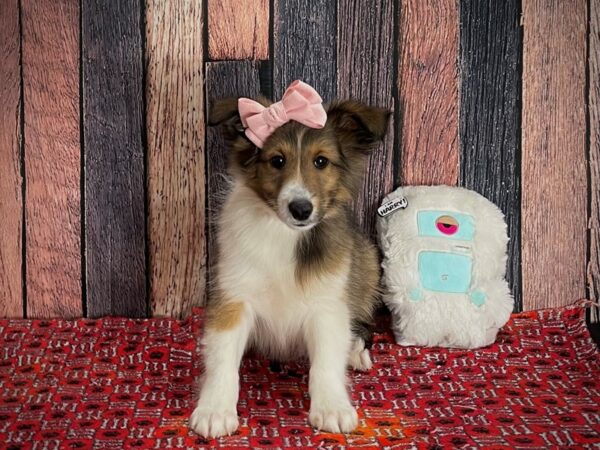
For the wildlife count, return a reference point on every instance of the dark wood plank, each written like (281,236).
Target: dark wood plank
(175,127)
(223,79)
(554,185)
(52,157)
(114,158)
(304,45)
(365,60)
(490,98)
(11,200)
(238,30)
(428,92)
(594,156)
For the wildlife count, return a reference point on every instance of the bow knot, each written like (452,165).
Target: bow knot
(275,115)
(300,102)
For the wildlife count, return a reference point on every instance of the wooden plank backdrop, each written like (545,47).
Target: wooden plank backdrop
(593,272)
(11,179)
(175,155)
(304,45)
(490,101)
(428,92)
(238,29)
(52,157)
(365,58)
(554,192)
(113,122)
(110,180)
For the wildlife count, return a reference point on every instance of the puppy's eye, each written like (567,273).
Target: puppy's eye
(277,161)
(321,162)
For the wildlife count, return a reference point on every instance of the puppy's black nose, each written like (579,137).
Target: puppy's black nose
(301,209)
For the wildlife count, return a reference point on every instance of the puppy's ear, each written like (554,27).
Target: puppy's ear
(242,152)
(225,113)
(357,124)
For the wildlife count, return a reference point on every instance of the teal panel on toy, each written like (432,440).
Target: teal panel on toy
(446,224)
(445,272)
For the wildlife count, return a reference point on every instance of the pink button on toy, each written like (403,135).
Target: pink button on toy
(447,225)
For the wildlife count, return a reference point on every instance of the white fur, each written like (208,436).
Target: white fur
(280,318)
(360,358)
(445,319)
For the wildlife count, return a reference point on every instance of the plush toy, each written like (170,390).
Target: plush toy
(444,266)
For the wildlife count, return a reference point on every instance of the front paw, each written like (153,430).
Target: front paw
(335,417)
(213,422)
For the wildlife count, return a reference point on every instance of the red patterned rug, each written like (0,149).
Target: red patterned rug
(124,383)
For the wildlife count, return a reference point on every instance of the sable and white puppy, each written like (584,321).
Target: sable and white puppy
(294,278)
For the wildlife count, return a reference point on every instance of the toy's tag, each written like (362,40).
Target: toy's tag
(391,206)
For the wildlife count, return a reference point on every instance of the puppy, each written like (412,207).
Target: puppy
(294,278)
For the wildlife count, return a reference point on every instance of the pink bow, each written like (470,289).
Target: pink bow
(300,102)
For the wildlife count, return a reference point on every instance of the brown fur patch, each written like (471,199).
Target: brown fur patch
(323,249)
(224,316)
(364,289)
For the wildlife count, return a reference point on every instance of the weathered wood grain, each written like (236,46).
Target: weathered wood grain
(428,92)
(175,135)
(365,64)
(238,29)
(223,80)
(554,185)
(11,182)
(304,45)
(490,99)
(593,271)
(114,158)
(52,157)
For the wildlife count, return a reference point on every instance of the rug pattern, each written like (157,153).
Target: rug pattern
(120,383)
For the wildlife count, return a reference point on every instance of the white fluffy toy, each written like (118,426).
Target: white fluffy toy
(444,266)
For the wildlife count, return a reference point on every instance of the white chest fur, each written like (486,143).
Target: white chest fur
(257,266)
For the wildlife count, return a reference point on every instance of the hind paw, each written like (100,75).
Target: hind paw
(360,357)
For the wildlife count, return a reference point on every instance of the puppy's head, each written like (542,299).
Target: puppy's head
(303,174)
